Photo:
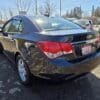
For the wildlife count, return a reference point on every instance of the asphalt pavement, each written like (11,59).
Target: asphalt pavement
(87,88)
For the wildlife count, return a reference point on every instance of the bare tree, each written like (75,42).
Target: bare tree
(1,16)
(34,8)
(41,10)
(97,12)
(10,13)
(47,9)
(5,14)
(23,5)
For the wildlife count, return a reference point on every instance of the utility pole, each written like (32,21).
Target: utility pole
(60,7)
(36,7)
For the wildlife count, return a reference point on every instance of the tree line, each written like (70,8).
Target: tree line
(75,12)
(24,6)
(47,8)
(95,11)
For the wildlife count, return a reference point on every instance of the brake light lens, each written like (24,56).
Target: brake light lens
(54,49)
(66,48)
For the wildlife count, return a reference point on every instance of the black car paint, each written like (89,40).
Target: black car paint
(25,45)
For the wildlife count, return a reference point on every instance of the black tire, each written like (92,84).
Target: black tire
(27,81)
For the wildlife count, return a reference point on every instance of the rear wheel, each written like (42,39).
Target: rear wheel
(23,71)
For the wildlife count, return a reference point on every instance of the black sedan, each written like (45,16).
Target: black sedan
(49,47)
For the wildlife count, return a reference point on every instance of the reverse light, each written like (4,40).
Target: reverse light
(55,49)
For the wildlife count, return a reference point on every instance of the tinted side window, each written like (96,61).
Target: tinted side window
(7,27)
(13,27)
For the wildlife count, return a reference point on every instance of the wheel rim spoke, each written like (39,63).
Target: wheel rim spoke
(22,70)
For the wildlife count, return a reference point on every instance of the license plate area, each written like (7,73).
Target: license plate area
(87,49)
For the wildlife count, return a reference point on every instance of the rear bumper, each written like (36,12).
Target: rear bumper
(81,61)
(78,68)
(84,66)
(39,65)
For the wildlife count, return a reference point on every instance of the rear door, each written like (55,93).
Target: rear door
(11,28)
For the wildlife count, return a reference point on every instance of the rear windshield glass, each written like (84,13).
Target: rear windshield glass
(54,24)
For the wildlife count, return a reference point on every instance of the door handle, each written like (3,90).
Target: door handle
(11,38)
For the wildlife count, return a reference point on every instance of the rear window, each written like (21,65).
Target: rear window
(54,24)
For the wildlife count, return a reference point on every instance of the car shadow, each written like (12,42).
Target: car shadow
(81,89)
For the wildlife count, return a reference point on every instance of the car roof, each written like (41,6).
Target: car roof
(29,26)
(37,16)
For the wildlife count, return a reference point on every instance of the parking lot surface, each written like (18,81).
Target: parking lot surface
(87,88)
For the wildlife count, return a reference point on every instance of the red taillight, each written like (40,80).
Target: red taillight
(55,49)
(66,48)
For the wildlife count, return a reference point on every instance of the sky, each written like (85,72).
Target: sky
(66,4)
